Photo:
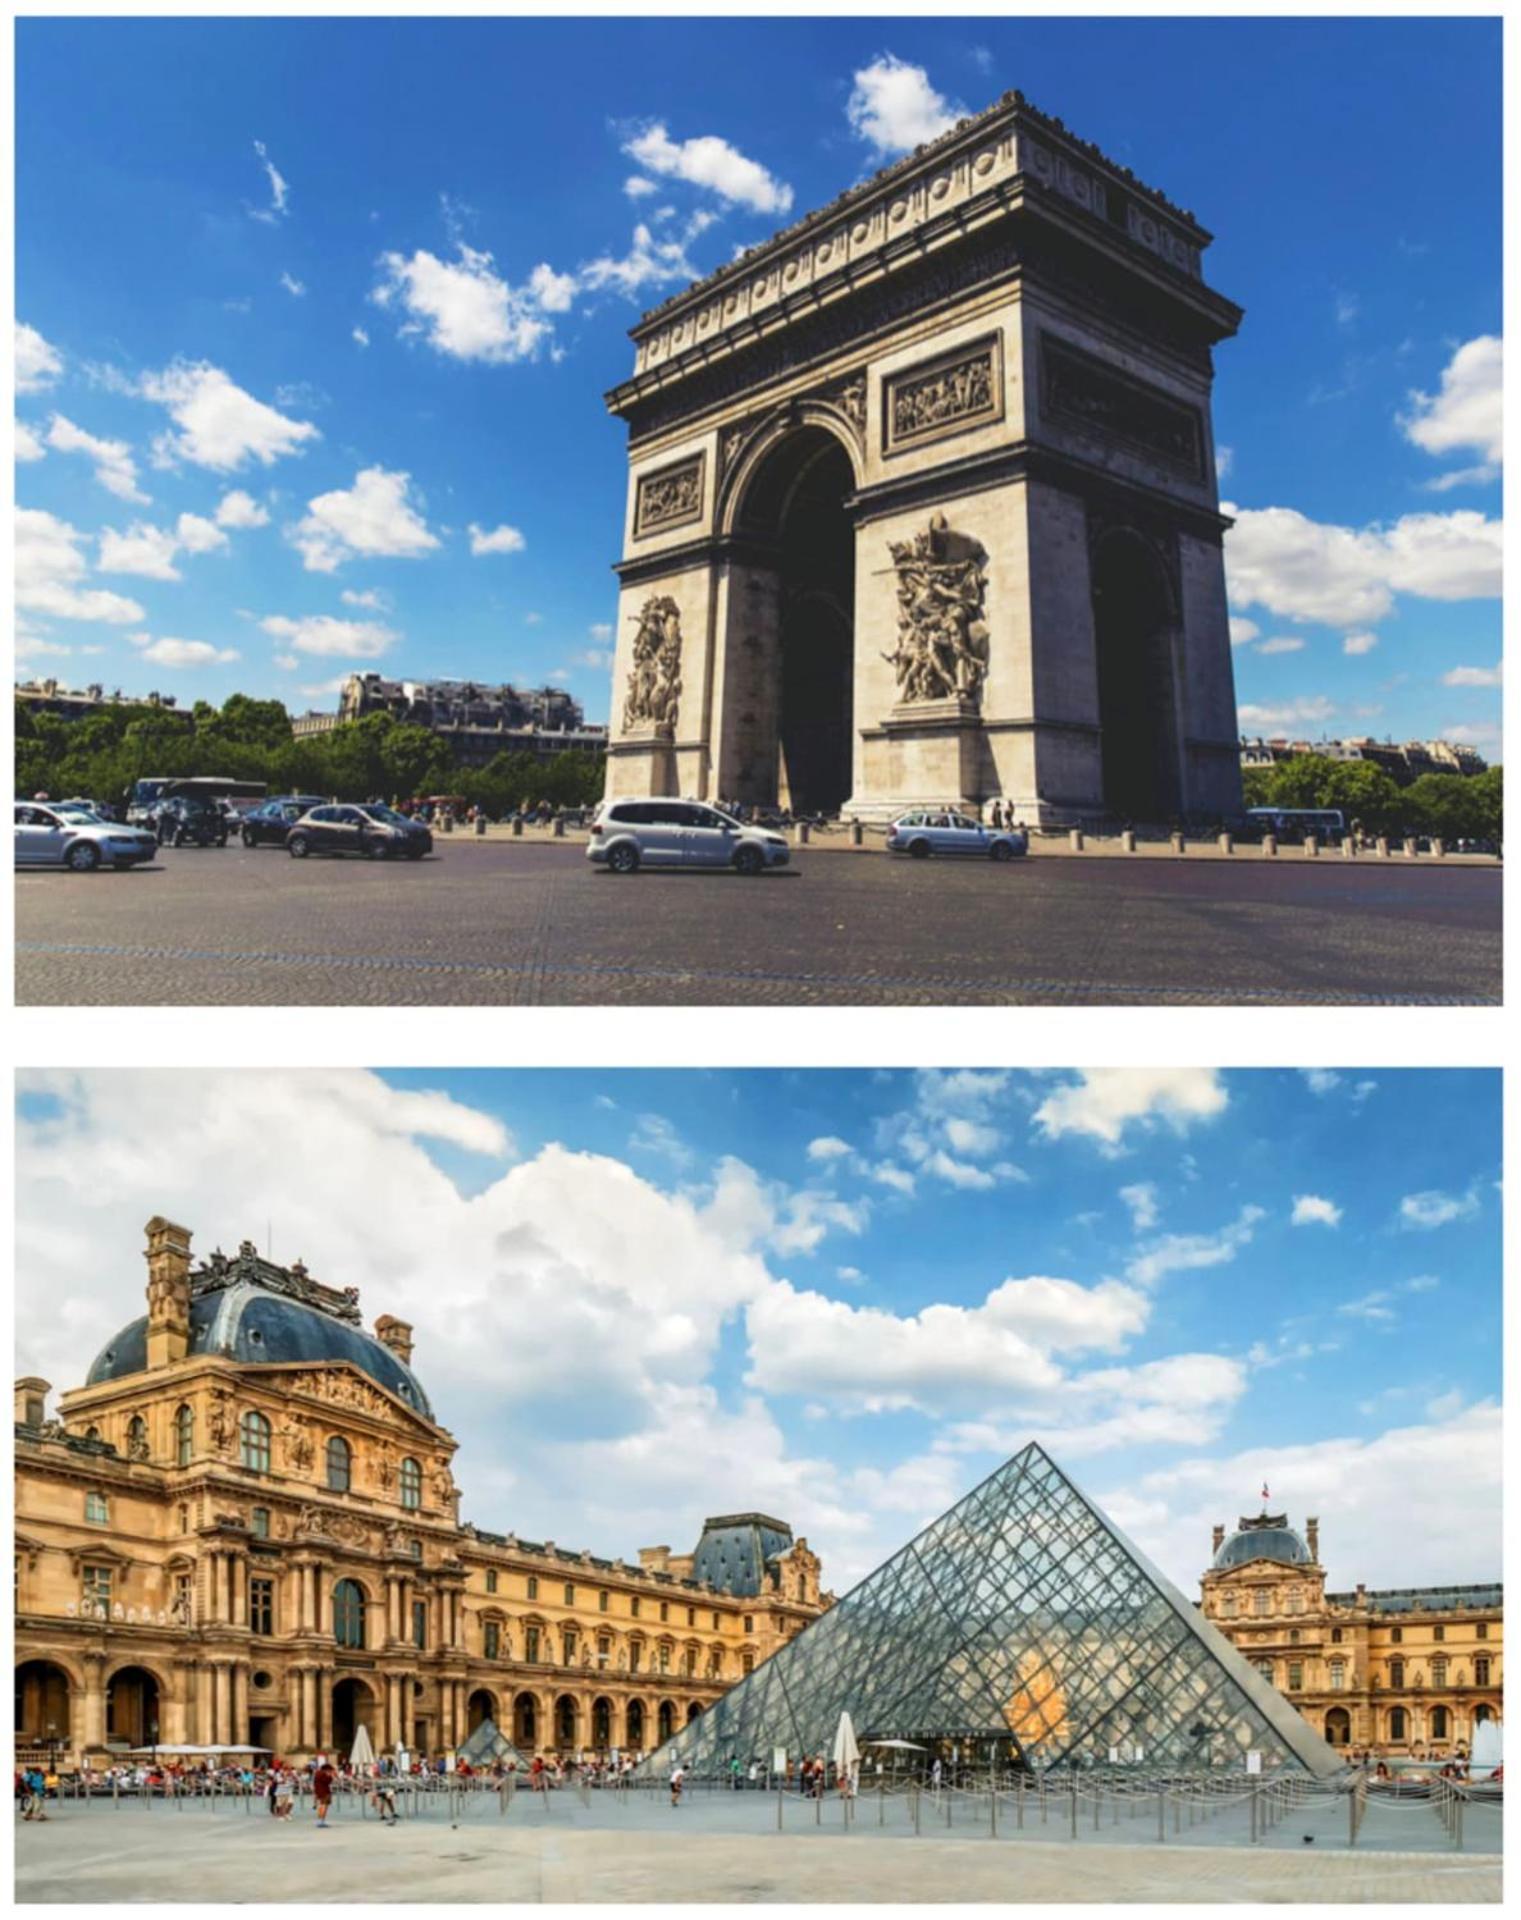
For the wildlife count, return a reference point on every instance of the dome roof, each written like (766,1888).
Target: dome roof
(262,1315)
(1263,1539)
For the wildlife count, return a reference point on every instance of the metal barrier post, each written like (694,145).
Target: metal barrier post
(1352,1818)
(1177,1815)
(1019,1806)
(1073,1800)
(993,1809)
(1251,1802)
(1161,1813)
(881,1804)
(818,1803)
(778,1803)
(916,1806)
(855,833)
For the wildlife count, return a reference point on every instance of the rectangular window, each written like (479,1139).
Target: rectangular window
(96,1510)
(602,1602)
(258,1523)
(665,1610)
(1396,1673)
(184,1604)
(1481,1670)
(1396,1635)
(570,1596)
(665,1659)
(1439,1673)
(1481,1630)
(1296,1676)
(531,1645)
(1338,1676)
(1336,1636)
(1260,1600)
(491,1579)
(715,1623)
(1439,1633)
(749,1623)
(635,1655)
(691,1616)
(691,1662)
(95,1591)
(493,1640)
(604,1649)
(419,1623)
(533,1586)
(633,1606)
(569,1642)
(261,1606)
(747,1662)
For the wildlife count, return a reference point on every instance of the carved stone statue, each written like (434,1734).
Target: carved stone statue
(219,1422)
(298,1444)
(654,681)
(942,650)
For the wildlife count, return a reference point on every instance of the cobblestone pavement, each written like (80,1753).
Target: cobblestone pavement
(131,1855)
(518,923)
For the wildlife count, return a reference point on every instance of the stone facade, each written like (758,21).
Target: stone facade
(213,1550)
(1404,1672)
(1003,343)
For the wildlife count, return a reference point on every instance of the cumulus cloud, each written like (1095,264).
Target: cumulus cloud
(27,445)
(503,539)
(370,597)
(828,1147)
(151,551)
(1436,1209)
(50,569)
(708,162)
(462,307)
(1243,632)
(1282,643)
(1303,569)
(1310,1210)
(638,188)
(238,509)
(1102,1102)
(1141,1199)
(1473,676)
(554,292)
(1188,1252)
(184,653)
(321,633)
(374,517)
(114,466)
(1359,643)
(219,425)
(38,364)
(359,336)
(894,108)
(648,263)
(1466,415)
(1310,710)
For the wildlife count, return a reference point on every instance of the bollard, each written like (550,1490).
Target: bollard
(1075,839)
(1177,1816)
(1311,847)
(1227,844)
(804,831)
(1348,847)
(448,823)
(1179,845)
(1409,849)
(1127,841)
(480,826)
(856,833)
(1439,849)
(559,826)
(517,826)
(1098,1806)
(1381,846)
(1270,845)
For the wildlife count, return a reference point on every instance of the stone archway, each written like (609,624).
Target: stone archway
(602,1723)
(567,1722)
(132,1707)
(634,1725)
(525,1723)
(355,1706)
(693,1709)
(480,1707)
(44,1703)
(1338,1727)
(1134,621)
(665,1721)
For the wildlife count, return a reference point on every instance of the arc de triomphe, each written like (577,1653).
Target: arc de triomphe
(922,502)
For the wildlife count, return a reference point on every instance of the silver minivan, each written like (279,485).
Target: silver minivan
(629,834)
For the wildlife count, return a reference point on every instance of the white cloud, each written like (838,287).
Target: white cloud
(888,1174)
(828,1147)
(1225,459)
(296,288)
(197,534)
(600,630)
(28,446)
(1436,1209)
(1282,643)
(648,262)
(1473,676)
(1372,1307)
(38,364)
(503,539)
(1188,1252)
(220,426)
(709,162)
(1303,569)
(359,336)
(320,633)
(238,509)
(654,1134)
(1103,1101)
(287,662)
(1142,1202)
(50,567)
(279,190)
(1311,1210)
(638,188)
(1309,711)
(142,549)
(115,468)
(371,597)
(1243,632)
(554,292)
(373,517)
(1359,643)
(184,653)
(1321,1080)
(894,108)
(1466,415)
(463,308)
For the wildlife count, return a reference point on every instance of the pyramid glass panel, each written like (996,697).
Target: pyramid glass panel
(1024,1619)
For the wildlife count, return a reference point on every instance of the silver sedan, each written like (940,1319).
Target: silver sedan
(73,837)
(930,830)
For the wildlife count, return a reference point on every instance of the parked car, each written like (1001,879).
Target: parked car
(374,831)
(48,837)
(930,830)
(269,825)
(190,820)
(629,834)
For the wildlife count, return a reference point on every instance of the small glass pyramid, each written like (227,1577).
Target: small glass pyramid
(1021,1622)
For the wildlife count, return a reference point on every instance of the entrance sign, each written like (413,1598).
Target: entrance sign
(922,503)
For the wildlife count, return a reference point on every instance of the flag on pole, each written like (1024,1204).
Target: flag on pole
(1264,1490)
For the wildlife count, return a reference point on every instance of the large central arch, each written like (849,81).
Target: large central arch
(1134,622)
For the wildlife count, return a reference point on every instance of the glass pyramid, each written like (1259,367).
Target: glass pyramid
(1023,1622)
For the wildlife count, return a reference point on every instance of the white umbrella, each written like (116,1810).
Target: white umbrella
(904,1746)
(362,1754)
(847,1755)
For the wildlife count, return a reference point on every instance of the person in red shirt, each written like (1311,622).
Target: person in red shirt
(322,1788)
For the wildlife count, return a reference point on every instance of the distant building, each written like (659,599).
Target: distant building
(73,703)
(1403,763)
(477,722)
(1405,1670)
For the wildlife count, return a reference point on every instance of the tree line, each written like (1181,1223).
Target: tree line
(99,755)
(1448,806)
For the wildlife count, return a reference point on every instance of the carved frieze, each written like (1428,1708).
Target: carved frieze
(1098,398)
(670,497)
(942,650)
(946,395)
(654,681)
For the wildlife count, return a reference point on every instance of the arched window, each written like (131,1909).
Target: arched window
(184,1436)
(348,1613)
(137,1438)
(1441,1727)
(255,1432)
(1397,1723)
(340,1461)
(411,1484)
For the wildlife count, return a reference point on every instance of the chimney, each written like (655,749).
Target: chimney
(397,1335)
(32,1402)
(168,1258)
(1218,1541)
(1312,1539)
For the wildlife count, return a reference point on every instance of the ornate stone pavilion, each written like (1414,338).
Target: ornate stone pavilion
(922,501)
(1405,1670)
(244,1529)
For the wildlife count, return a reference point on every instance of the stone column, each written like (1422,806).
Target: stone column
(237,1570)
(240,1701)
(179,1726)
(325,1708)
(203,1703)
(223,1714)
(308,1707)
(92,1726)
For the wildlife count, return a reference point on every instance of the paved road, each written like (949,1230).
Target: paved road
(518,924)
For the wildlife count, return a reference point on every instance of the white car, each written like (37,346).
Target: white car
(930,830)
(71,837)
(629,834)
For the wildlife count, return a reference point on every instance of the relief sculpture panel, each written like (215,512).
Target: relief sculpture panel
(959,390)
(669,498)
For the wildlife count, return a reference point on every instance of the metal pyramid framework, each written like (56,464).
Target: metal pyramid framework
(1023,1615)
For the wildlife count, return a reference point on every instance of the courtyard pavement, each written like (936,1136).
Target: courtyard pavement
(509,922)
(725,1848)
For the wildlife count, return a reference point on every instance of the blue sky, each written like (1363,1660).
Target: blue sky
(324,307)
(844,1297)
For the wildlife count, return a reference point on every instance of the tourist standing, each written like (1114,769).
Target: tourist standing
(678,1775)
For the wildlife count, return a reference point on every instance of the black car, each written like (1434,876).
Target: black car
(190,819)
(376,832)
(269,825)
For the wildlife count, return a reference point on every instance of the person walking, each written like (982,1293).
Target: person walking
(678,1775)
(322,1789)
(383,1800)
(285,1794)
